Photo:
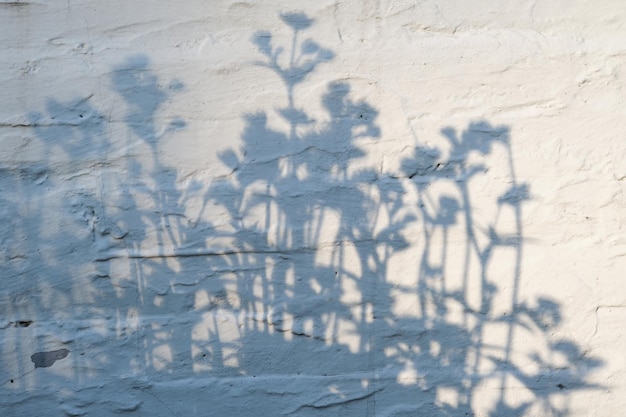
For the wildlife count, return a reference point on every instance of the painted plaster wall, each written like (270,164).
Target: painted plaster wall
(359,208)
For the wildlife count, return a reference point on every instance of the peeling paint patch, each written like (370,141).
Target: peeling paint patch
(47,359)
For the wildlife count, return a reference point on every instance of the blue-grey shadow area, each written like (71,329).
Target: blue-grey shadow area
(281,294)
(43,262)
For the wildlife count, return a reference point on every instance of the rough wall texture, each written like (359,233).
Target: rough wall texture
(358,208)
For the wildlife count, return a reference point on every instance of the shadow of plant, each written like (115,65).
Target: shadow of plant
(302,285)
(315,288)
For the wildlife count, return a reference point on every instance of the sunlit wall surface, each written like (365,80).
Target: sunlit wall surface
(360,208)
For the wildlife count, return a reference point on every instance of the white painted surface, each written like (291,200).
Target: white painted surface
(441,235)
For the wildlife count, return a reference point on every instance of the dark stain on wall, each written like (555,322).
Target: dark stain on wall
(47,359)
(14,3)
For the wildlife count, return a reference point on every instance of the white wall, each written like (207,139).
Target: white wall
(418,211)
